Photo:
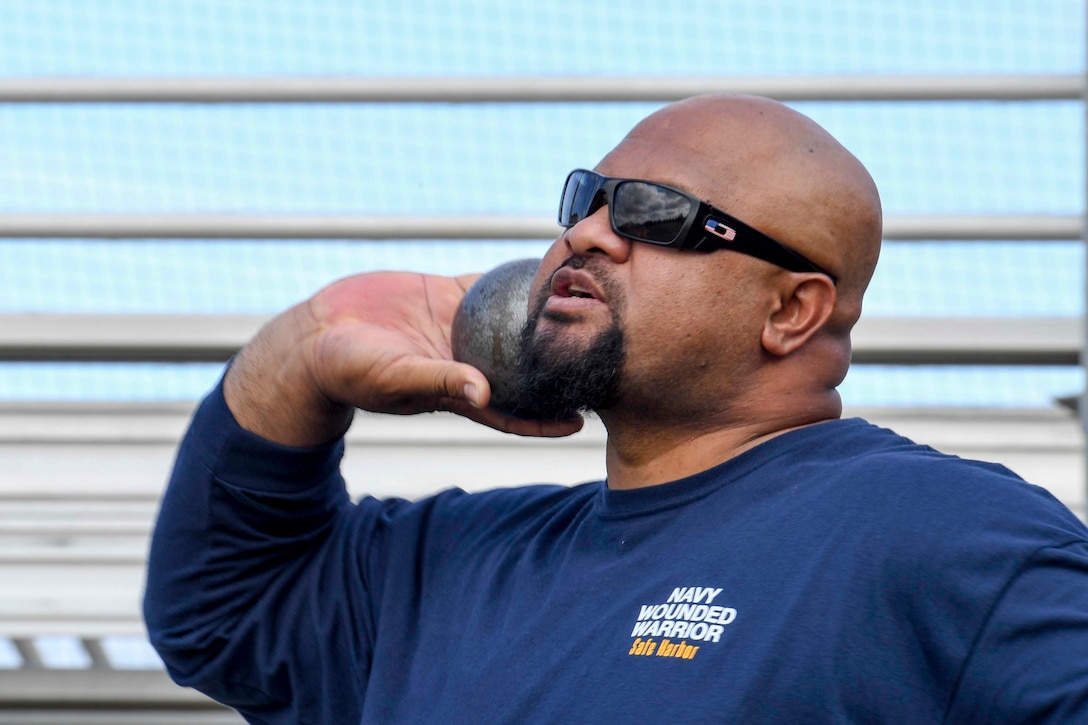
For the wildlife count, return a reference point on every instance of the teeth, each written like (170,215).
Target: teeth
(575,292)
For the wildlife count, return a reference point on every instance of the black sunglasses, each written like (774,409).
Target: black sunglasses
(646,211)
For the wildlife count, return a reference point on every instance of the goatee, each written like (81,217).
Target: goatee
(558,381)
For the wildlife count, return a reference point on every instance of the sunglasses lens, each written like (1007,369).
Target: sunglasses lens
(649,212)
(578,195)
(570,189)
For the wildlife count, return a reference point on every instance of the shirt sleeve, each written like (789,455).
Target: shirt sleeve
(256,591)
(1029,663)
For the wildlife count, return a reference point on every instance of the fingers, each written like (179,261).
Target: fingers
(541,429)
(507,424)
(415,384)
(462,389)
(418,385)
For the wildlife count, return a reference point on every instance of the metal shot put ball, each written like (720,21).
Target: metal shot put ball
(486,329)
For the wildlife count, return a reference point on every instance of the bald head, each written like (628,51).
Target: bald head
(775,169)
(713,351)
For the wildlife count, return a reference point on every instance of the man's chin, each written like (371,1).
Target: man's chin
(563,342)
(568,368)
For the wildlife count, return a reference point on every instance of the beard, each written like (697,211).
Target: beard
(558,381)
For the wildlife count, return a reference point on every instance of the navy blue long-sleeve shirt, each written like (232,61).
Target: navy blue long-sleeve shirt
(837,573)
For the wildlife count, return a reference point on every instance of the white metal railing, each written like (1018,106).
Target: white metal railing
(214,338)
(1036,227)
(38,695)
(536,89)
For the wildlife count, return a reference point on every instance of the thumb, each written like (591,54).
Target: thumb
(426,385)
(474,390)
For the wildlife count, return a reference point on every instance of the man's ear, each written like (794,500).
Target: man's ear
(805,305)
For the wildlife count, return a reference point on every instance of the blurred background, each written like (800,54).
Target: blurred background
(973,319)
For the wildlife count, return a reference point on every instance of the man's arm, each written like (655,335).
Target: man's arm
(379,342)
(1029,663)
(258,551)
(249,535)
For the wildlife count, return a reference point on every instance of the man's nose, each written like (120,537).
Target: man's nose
(594,235)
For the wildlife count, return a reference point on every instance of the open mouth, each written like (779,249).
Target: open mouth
(574,291)
(568,282)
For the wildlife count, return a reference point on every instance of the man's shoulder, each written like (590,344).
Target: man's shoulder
(914,486)
(855,446)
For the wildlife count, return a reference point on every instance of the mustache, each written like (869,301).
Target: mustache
(572,261)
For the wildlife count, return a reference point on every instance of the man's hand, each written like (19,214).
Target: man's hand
(379,342)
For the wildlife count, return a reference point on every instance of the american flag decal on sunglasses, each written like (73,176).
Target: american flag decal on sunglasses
(718,229)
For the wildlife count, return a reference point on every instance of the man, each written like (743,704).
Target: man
(751,558)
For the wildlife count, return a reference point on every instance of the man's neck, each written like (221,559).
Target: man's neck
(640,455)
